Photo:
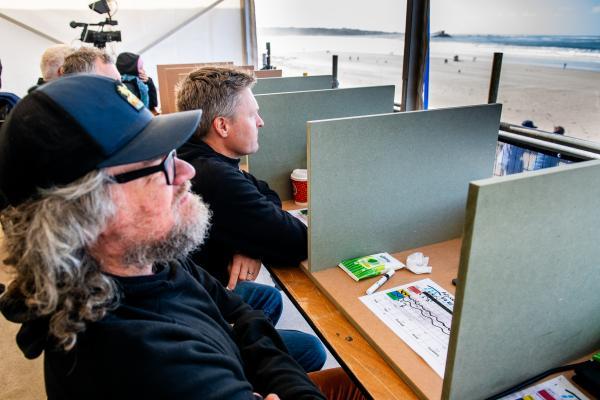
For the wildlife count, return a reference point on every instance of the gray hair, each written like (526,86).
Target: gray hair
(46,240)
(52,59)
(83,60)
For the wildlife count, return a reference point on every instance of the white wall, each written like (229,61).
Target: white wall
(20,54)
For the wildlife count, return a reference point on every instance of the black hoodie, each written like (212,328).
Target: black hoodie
(170,338)
(247,215)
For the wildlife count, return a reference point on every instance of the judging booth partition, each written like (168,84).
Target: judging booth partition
(526,297)
(292,84)
(283,138)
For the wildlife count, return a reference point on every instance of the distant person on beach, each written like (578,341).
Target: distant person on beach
(512,156)
(546,160)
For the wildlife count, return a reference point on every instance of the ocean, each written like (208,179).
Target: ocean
(577,52)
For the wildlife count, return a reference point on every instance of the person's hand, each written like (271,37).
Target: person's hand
(242,268)
(270,396)
(143,76)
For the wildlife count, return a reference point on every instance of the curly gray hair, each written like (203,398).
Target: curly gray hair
(46,241)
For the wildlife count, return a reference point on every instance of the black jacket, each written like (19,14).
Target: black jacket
(170,338)
(247,215)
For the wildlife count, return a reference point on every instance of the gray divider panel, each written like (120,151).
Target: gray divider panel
(292,84)
(530,277)
(394,182)
(283,138)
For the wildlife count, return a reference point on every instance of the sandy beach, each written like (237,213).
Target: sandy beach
(549,96)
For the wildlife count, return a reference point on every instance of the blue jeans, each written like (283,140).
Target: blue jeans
(306,349)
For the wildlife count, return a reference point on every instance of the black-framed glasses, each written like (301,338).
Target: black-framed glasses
(167,166)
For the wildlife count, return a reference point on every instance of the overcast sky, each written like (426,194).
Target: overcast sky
(544,17)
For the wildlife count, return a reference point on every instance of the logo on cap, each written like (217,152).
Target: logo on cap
(129,97)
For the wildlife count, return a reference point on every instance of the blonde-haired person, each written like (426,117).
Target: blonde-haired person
(50,63)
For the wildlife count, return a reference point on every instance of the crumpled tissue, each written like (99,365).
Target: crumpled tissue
(417,263)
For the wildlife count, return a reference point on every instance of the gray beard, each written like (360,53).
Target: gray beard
(185,237)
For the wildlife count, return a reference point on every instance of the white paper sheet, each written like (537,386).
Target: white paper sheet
(420,313)
(558,388)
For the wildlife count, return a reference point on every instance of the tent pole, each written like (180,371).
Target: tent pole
(416,45)
(249,31)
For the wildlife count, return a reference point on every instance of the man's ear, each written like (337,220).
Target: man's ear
(221,126)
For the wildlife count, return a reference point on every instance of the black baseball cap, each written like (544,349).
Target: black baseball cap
(76,124)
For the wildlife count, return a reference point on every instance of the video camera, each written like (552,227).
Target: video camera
(99,38)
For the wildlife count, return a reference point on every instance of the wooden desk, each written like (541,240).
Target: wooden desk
(354,353)
(360,350)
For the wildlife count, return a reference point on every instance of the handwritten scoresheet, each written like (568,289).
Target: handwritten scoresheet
(420,313)
(558,388)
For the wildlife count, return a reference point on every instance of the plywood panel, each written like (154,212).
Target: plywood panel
(268,73)
(283,138)
(394,182)
(530,270)
(169,75)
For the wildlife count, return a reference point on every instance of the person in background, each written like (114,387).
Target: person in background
(97,223)
(133,75)
(512,156)
(90,60)
(7,101)
(249,227)
(546,160)
(52,59)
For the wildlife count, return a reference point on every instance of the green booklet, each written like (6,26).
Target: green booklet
(365,267)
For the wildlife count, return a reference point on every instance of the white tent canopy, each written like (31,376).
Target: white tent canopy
(178,31)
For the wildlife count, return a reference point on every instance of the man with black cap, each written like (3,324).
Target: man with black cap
(98,218)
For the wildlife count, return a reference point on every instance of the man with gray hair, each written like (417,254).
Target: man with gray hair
(98,217)
(90,60)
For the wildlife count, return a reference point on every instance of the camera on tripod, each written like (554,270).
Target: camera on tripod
(99,38)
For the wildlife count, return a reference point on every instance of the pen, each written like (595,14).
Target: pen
(386,276)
